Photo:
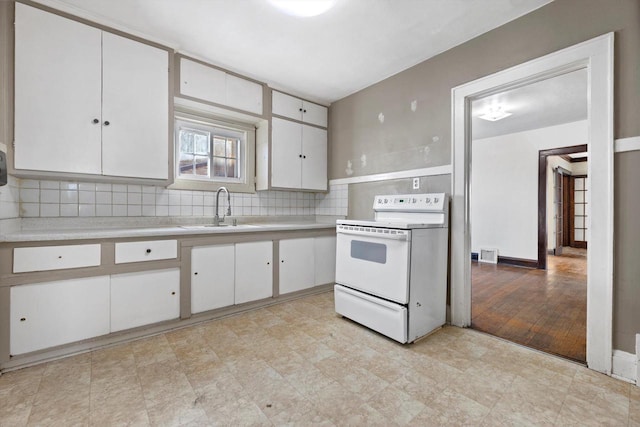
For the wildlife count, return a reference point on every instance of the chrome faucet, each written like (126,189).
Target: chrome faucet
(216,219)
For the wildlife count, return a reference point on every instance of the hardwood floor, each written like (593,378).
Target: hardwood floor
(545,310)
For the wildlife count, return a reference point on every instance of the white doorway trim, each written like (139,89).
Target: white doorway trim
(596,55)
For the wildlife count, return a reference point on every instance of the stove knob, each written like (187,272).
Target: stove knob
(413,200)
(435,200)
(379,201)
(386,201)
(428,200)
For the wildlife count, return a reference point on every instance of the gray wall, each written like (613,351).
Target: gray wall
(409,140)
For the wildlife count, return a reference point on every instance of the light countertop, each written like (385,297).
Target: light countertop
(62,229)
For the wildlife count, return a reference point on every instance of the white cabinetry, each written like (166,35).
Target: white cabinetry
(325,260)
(43,258)
(296,264)
(54,313)
(212,277)
(298,109)
(299,156)
(254,271)
(306,262)
(213,85)
(143,298)
(88,101)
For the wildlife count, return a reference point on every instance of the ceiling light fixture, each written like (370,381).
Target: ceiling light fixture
(303,8)
(494,113)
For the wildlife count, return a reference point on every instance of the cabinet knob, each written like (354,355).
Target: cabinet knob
(300,155)
(304,111)
(96,121)
(173,293)
(148,251)
(281,260)
(195,274)
(23,319)
(300,110)
(59,256)
(304,157)
(268,263)
(106,123)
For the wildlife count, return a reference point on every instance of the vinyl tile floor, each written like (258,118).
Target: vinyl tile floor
(298,363)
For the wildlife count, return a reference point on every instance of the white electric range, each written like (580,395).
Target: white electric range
(391,273)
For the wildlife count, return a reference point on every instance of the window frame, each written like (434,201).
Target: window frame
(219,127)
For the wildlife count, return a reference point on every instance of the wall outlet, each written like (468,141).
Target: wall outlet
(416,183)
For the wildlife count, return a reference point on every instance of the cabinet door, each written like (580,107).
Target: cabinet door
(243,94)
(325,256)
(314,114)
(135,143)
(286,152)
(286,105)
(212,277)
(143,298)
(57,93)
(202,82)
(49,314)
(314,162)
(296,264)
(254,271)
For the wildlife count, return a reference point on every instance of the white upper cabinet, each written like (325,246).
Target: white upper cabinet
(299,156)
(88,101)
(57,93)
(135,104)
(213,85)
(298,109)
(202,82)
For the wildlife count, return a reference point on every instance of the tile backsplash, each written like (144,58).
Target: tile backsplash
(34,199)
(9,199)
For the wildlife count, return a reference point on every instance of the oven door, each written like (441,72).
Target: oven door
(374,260)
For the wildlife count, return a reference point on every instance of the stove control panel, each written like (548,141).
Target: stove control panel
(411,202)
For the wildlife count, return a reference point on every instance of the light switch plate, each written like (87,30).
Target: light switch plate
(416,183)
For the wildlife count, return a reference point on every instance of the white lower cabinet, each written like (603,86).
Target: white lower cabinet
(306,262)
(54,313)
(325,257)
(254,271)
(143,298)
(212,277)
(297,269)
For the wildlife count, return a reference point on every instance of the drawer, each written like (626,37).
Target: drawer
(43,258)
(151,250)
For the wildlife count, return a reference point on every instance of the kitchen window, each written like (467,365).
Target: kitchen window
(210,153)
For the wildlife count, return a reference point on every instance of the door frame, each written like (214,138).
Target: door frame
(542,196)
(596,56)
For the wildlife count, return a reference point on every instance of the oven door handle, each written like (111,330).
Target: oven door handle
(386,236)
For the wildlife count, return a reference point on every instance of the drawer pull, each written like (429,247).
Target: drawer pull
(148,251)
(23,319)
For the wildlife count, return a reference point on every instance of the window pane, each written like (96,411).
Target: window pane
(186,164)
(201,143)
(232,148)
(218,167)
(218,147)
(231,168)
(186,141)
(202,166)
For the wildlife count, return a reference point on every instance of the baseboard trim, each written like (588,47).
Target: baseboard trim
(518,262)
(624,366)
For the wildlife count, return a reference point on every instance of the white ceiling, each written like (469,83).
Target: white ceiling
(562,99)
(323,58)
